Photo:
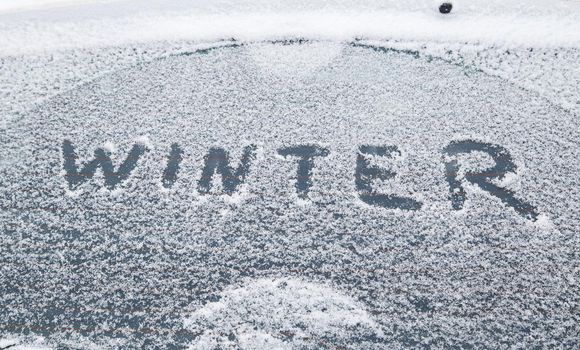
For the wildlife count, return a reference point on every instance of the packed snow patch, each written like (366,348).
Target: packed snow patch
(24,343)
(282,313)
(294,60)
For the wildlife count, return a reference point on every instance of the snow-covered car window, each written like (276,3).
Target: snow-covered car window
(303,175)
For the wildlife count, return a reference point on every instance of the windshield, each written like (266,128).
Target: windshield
(393,188)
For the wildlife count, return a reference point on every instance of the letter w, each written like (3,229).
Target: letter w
(102,159)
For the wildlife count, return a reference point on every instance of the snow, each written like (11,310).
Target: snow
(538,23)
(24,343)
(110,147)
(147,263)
(265,313)
(11,6)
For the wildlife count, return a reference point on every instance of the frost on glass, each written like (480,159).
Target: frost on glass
(217,197)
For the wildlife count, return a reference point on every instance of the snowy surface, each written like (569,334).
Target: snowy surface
(283,314)
(164,257)
(546,23)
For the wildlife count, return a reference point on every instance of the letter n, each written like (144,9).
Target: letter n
(217,162)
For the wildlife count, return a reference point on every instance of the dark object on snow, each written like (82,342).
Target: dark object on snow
(445,7)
